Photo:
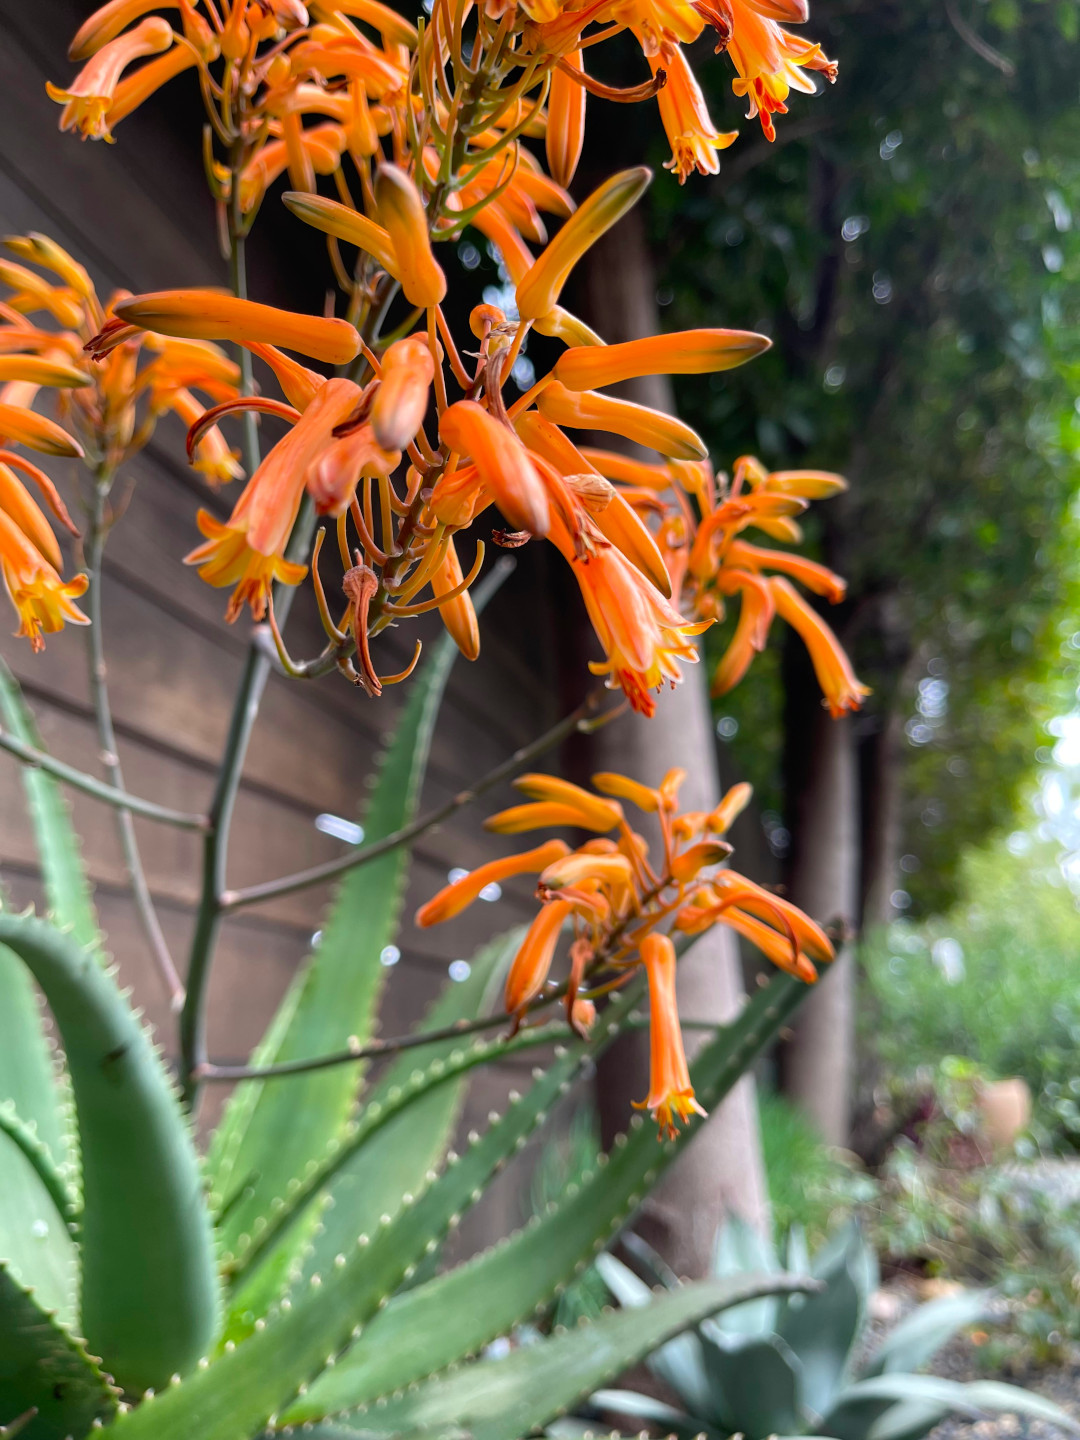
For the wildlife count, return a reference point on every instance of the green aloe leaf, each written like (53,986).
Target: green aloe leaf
(245,1388)
(260,1150)
(504,1399)
(67,889)
(149,1282)
(456,1314)
(399,1157)
(379,1165)
(34,1241)
(44,1368)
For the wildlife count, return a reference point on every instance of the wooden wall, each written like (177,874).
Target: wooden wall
(137,215)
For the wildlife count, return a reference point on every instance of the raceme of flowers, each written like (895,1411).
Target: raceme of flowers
(428,128)
(620,908)
(107,412)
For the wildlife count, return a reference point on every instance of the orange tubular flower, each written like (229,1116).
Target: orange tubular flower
(693,137)
(565,136)
(30,562)
(559,802)
(532,963)
(502,464)
(589,410)
(458,895)
(770,60)
(458,614)
(87,100)
(539,289)
(686,352)
(842,691)
(401,210)
(643,635)
(248,550)
(216,315)
(671,1096)
(402,397)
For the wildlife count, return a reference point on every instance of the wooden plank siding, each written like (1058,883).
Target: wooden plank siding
(137,215)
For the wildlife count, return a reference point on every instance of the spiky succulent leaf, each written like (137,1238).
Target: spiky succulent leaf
(372,1167)
(399,1156)
(34,1240)
(821,1329)
(260,1150)
(504,1399)
(921,1334)
(869,1405)
(739,1249)
(678,1363)
(67,889)
(459,1312)
(43,1368)
(248,1385)
(756,1385)
(645,1407)
(149,1282)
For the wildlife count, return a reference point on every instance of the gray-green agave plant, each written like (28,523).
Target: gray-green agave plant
(800,1364)
(288,1278)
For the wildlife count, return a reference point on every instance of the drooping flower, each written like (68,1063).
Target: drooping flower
(670,1099)
(87,99)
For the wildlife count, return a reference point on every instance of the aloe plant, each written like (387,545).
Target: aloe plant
(801,1364)
(286,1278)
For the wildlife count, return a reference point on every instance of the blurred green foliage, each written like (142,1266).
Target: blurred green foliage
(992,981)
(910,244)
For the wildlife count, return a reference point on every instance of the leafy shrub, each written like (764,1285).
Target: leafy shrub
(994,982)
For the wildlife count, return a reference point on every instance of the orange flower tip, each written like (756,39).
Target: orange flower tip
(402,212)
(333,218)
(623,788)
(217,315)
(539,289)
(687,352)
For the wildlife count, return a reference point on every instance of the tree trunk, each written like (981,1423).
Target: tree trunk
(880,766)
(818,1060)
(722,1173)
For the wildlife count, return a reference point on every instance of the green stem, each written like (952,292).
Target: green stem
(79,780)
(110,758)
(578,720)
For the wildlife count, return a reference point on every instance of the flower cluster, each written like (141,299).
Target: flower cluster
(620,908)
(266,66)
(429,129)
(108,412)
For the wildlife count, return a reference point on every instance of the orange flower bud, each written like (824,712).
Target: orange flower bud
(458,615)
(597,814)
(565,135)
(216,315)
(690,863)
(588,410)
(402,211)
(333,218)
(686,352)
(530,966)
(627,789)
(810,484)
(730,807)
(45,251)
(502,462)
(402,397)
(36,371)
(458,895)
(539,289)
(27,428)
